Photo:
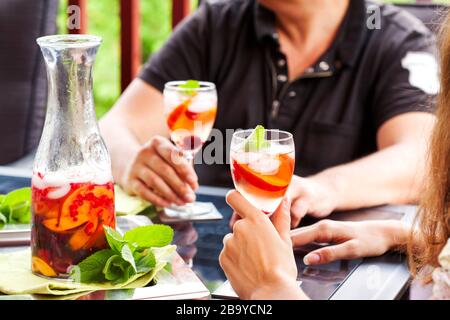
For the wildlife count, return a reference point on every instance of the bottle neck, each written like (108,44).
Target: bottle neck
(70,96)
(71,137)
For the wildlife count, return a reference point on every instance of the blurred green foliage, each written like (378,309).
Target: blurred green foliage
(103,20)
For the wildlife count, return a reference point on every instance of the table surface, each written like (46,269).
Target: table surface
(199,245)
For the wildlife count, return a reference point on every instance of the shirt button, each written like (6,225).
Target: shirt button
(282,78)
(281,63)
(292,94)
(324,66)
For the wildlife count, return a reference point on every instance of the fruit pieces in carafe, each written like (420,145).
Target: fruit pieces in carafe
(69,219)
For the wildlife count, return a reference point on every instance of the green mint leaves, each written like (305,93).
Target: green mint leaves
(256,141)
(15,207)
(190,84)
(128,255)
(149,236)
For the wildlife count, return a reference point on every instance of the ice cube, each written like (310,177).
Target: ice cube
(59,192)
(172,99)
(247,157)
(266,165)
(38,182)
(201,104)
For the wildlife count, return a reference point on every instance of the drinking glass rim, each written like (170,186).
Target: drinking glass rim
(204,86)
(69,41)
(288,134)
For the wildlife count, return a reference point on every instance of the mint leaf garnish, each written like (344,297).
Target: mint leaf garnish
(127,255)
(256,141)
(190,84)
(156,235)
(146,261)
(91,269)
(118,270)
(135,252)
(114,238)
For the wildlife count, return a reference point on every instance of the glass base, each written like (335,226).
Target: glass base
(188,210)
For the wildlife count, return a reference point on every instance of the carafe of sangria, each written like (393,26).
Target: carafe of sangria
(72,186)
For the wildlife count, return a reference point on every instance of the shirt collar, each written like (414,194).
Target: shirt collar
(349,39)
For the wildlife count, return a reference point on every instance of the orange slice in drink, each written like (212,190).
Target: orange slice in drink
(40,266)
(267,182)
(92,233)
(76,209)
(175,115)
(45,209)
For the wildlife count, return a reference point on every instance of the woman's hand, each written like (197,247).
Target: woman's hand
(350,240)
(257,257)
(159,174)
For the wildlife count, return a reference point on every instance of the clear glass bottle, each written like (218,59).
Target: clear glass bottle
(72,186)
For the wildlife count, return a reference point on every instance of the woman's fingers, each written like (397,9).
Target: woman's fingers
(240,205)
(325,231)
(234,217)
(345,251)
(281,219)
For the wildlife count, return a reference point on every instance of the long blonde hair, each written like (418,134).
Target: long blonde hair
(432,225)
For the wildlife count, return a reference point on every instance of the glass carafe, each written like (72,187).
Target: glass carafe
(72,186)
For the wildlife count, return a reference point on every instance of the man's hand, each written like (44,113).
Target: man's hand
(312,196)
(350,240)
(159,174)
(257,257)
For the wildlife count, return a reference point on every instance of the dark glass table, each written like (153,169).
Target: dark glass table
(199,245)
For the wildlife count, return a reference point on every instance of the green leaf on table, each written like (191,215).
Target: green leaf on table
(15,206)
(256,141)
(91,269)
(190,84)
(146,261)
(156,235)
(114,238)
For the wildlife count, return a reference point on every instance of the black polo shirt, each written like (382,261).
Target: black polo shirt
(366,77)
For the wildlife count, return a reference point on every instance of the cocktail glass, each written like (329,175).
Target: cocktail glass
(190,115)
(262,175)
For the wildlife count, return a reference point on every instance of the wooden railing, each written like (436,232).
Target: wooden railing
(130,46)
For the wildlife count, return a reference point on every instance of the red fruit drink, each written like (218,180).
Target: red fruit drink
(263,177)
(68,219)
(191,119)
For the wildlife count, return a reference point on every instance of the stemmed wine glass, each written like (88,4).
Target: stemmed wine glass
(190,108)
